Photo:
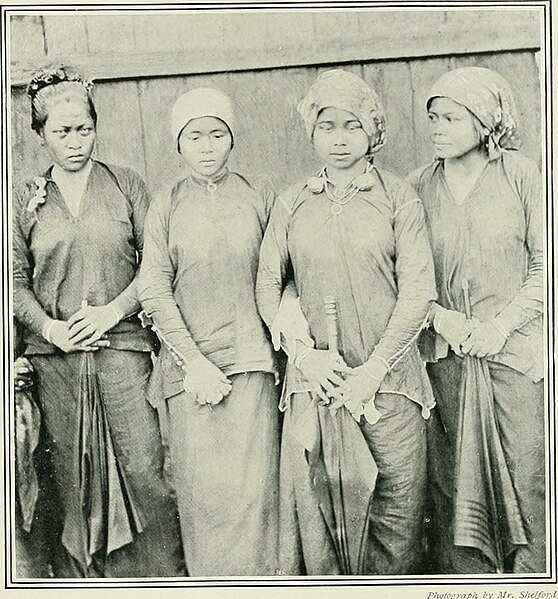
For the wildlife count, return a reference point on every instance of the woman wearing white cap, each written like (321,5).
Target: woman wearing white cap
(197,281)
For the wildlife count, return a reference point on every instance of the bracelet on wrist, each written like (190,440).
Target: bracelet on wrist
(301,355)
(384,363)
(117,314)
(369,373)
(47,328)
(500,328)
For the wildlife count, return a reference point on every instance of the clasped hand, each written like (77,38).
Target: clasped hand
(207,383)
(336,382)
(469,336)
(23,373)
(85,330)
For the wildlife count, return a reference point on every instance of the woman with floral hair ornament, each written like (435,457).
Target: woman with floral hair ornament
(355,234)
(484,211)
(78,238)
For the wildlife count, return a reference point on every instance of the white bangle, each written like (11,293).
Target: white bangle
(500,328)
(300,356)
(382,361)
(47,328)
(374,378)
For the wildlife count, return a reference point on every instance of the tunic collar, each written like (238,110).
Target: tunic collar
(213,182)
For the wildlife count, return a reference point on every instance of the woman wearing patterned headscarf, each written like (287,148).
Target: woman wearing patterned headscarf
(355,404)
(78,236)
(485,217)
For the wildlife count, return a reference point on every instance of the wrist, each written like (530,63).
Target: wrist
(500,327)
(47,329)
(376,368)
(302,352)
(434,310)
(439,318)
(116,311)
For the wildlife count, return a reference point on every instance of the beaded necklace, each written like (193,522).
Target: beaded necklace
(340,198)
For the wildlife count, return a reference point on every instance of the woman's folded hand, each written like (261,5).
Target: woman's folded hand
(207,383)
(453,326)
(486,339)
(324,371)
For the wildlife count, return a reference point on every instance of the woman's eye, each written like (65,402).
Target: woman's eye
(324,126)
(86,131)
(354,126)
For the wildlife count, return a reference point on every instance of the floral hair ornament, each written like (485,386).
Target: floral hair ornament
(338,88)
(40,194)
(53,75)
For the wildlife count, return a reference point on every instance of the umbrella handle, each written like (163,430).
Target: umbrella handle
(467,299)
(330,309)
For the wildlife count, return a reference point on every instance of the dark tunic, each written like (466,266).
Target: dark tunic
(374,259)
(61,260)
(495,240)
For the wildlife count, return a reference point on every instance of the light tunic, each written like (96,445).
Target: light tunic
(197,282)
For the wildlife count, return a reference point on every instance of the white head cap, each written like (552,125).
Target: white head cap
(200,102)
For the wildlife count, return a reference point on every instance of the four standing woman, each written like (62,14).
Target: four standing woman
(361,445)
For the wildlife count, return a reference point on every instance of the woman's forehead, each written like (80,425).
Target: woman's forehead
(446,105)
(205,124)
(331,113)
(69,109)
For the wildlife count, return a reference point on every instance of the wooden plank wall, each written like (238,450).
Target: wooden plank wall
(134,110)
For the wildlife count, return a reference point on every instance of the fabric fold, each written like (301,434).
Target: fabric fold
(343,474)
(487,514)
(28,423)
(103,515)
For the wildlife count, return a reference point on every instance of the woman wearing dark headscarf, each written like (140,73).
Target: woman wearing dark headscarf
(485,217)
(355,237)
(78,237)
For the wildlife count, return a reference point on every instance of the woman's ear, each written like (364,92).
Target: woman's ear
(41,138)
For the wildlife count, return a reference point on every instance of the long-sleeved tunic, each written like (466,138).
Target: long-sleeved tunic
(197,280)
(373,258)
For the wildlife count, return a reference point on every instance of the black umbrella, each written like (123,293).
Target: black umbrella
(487,515)
(102,515)
(344,475)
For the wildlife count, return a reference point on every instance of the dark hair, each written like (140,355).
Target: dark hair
(54,81)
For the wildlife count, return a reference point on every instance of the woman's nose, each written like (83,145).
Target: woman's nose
(206,144)
(74,140)
(437,127)
(340,136)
